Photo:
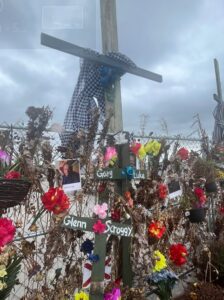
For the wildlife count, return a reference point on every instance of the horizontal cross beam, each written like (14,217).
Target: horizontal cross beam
(58,44)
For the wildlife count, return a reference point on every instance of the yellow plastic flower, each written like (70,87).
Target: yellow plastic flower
(2,271)
(220,174)
(81,296)
(152,147)
(3,285)
(141,152)
(160,261)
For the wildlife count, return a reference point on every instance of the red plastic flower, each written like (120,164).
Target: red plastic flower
(7,231)
(183,153)
(116,215)
(178,253)
(163,190)
(55,200)
(12,175)
(135,147)
(200,194)
(99,227)
(221,210)
(156,229)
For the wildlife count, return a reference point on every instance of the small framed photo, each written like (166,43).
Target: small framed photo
(70,174)
(174,189)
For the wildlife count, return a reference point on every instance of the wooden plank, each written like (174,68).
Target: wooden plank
(117,174)
(126,271)
(110,43)
(86,224)
(58,44)
(218,81)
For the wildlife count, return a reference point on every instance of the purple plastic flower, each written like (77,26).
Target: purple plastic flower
(4,157)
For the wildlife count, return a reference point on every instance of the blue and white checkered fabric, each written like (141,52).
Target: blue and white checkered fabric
(79,114)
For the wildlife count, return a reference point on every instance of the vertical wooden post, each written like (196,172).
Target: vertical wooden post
(110,43)
(218,81)
(98,269)
(123,185)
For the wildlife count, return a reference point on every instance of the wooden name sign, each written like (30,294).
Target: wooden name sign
(116,174)
(86,224)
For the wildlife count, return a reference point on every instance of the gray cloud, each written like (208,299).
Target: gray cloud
(178,39)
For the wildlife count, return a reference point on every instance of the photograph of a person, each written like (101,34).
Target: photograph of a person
(70,172)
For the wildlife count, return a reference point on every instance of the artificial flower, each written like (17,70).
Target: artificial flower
(163,191)
(87,246)
(93,258)
(115,294)
(141,152)
(135,146)
(178,253)
(12,175)
(165,281)
(127,196)
(200,194)
(163,275)
(220,174)
(99,227)
(4,157)
(81,296)
(160,261)
(3,285)
(156,229)
(55,200)
(128,172)
(152,147)
(101,210)
(101,187)
(115,215)
(3,271)
(183,153)
(7,231)
(221,210)
(110,156)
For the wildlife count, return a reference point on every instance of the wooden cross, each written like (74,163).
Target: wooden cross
(61,45)
(109,43)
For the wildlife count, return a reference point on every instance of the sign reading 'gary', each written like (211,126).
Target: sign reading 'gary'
(86,224)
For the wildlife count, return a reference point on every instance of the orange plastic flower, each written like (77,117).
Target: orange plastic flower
(156,229)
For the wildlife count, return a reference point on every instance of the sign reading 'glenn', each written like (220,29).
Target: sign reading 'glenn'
(86,224)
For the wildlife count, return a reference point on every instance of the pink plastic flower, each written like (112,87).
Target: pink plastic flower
(115,294)
(110,156)
(99,227)
(100,210)
(7,231)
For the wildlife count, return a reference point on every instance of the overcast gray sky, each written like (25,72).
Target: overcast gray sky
(176,38)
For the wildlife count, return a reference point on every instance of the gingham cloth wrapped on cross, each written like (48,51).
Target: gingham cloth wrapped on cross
(89,86)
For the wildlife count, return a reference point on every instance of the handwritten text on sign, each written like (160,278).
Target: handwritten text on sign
(86,224)
(109,174)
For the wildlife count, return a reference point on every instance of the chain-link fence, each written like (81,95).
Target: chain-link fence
(84,208)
